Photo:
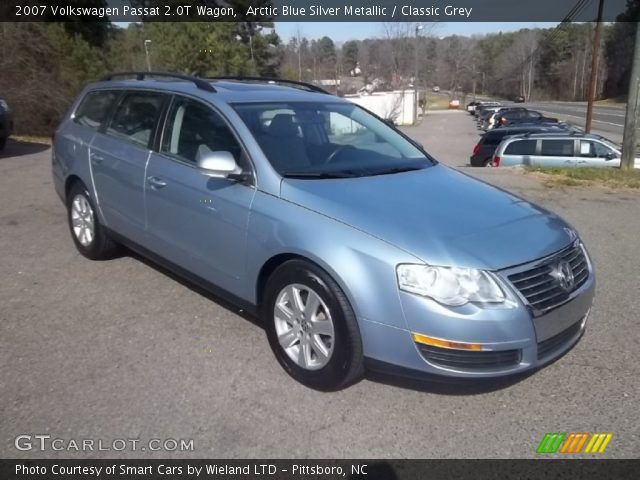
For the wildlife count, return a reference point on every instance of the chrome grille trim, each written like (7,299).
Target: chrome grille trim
(542,291)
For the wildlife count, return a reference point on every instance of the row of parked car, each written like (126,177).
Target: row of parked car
(519,136)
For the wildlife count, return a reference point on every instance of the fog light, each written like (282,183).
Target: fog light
(436,342)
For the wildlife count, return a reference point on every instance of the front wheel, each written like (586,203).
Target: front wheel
(311,327)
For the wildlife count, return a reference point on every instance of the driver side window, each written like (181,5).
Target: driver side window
(593,149)
(193,130)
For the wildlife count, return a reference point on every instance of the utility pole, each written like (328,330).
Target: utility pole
(633,109)
(415,79)
(594,68)
(147,47)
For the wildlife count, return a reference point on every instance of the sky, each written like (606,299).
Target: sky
(341,32)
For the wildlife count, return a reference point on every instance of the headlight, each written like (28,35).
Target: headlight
(449,285)
(4,105)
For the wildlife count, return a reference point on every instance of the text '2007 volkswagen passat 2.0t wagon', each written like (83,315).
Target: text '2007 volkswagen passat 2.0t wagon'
(351,243)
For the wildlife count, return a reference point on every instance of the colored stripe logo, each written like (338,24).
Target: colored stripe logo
(574,443)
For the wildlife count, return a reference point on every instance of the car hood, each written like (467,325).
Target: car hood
(439,215)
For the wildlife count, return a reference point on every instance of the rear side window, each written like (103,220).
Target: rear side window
(95,107)
(135,118)
(557,148)
(521,147)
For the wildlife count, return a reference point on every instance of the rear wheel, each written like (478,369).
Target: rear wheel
(3,142)
(89,236)
(489,163)
(311,327)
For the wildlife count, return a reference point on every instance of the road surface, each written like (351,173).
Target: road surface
(608,120)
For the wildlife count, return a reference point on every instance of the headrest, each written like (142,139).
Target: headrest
(282,125)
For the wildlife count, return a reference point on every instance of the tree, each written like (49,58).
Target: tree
(350,54)
(619,49)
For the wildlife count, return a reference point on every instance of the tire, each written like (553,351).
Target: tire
(89,236)
(488,162)
(3,142)
(331,360)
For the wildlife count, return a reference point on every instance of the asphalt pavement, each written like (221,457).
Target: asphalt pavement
(121,349)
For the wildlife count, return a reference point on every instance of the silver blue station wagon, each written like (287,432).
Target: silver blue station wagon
(354,247)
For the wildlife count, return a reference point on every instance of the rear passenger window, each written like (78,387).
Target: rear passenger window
(94,108)
(135,117)
(521,147)
(193,130)
(557,148)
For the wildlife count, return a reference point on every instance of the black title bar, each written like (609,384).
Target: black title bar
(309,10)
(316,469)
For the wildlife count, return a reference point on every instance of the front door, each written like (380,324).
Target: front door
(195,221)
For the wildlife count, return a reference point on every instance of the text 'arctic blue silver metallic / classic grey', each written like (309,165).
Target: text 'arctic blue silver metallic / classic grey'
(343,235)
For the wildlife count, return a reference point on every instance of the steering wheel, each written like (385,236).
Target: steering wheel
(339,150)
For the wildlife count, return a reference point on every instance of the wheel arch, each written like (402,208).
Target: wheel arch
(70,181)
(279,259)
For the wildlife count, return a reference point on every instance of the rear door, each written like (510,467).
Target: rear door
(195,221)
(556,152)
(118,157)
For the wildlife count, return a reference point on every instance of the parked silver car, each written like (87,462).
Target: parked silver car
(558,150)
(353,245)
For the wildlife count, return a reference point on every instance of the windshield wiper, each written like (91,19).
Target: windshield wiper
(388,171)
(321,175)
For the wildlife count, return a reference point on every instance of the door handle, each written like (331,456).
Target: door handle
(155,182)
(96,159)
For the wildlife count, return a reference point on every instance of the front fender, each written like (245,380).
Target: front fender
(363,266)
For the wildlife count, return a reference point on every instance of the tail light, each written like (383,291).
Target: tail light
(496,161)
(476,149)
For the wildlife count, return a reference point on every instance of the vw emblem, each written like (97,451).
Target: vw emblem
(564,274)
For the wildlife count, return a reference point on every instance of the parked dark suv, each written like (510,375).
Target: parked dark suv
(6,122)
(486,147)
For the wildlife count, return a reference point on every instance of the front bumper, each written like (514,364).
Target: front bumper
(513,340)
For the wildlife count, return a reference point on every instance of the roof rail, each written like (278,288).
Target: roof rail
(199,82)
(309,86)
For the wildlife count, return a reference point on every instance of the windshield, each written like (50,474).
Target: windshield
(328,140)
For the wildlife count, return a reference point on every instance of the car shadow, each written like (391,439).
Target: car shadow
(194,287)
(18,148)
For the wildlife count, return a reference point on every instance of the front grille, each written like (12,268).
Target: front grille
(542,288)
(469,360)
(550,345)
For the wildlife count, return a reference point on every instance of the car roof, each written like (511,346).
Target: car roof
(560,135)
(229,91)
(529,127)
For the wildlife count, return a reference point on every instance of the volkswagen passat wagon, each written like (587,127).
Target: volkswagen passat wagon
(354,246)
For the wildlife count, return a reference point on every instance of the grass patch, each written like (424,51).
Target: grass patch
(31,139)
(438,102)
(576,177)
(618,101)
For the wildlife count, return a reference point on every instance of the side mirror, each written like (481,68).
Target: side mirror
(218,165)
(610,155)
